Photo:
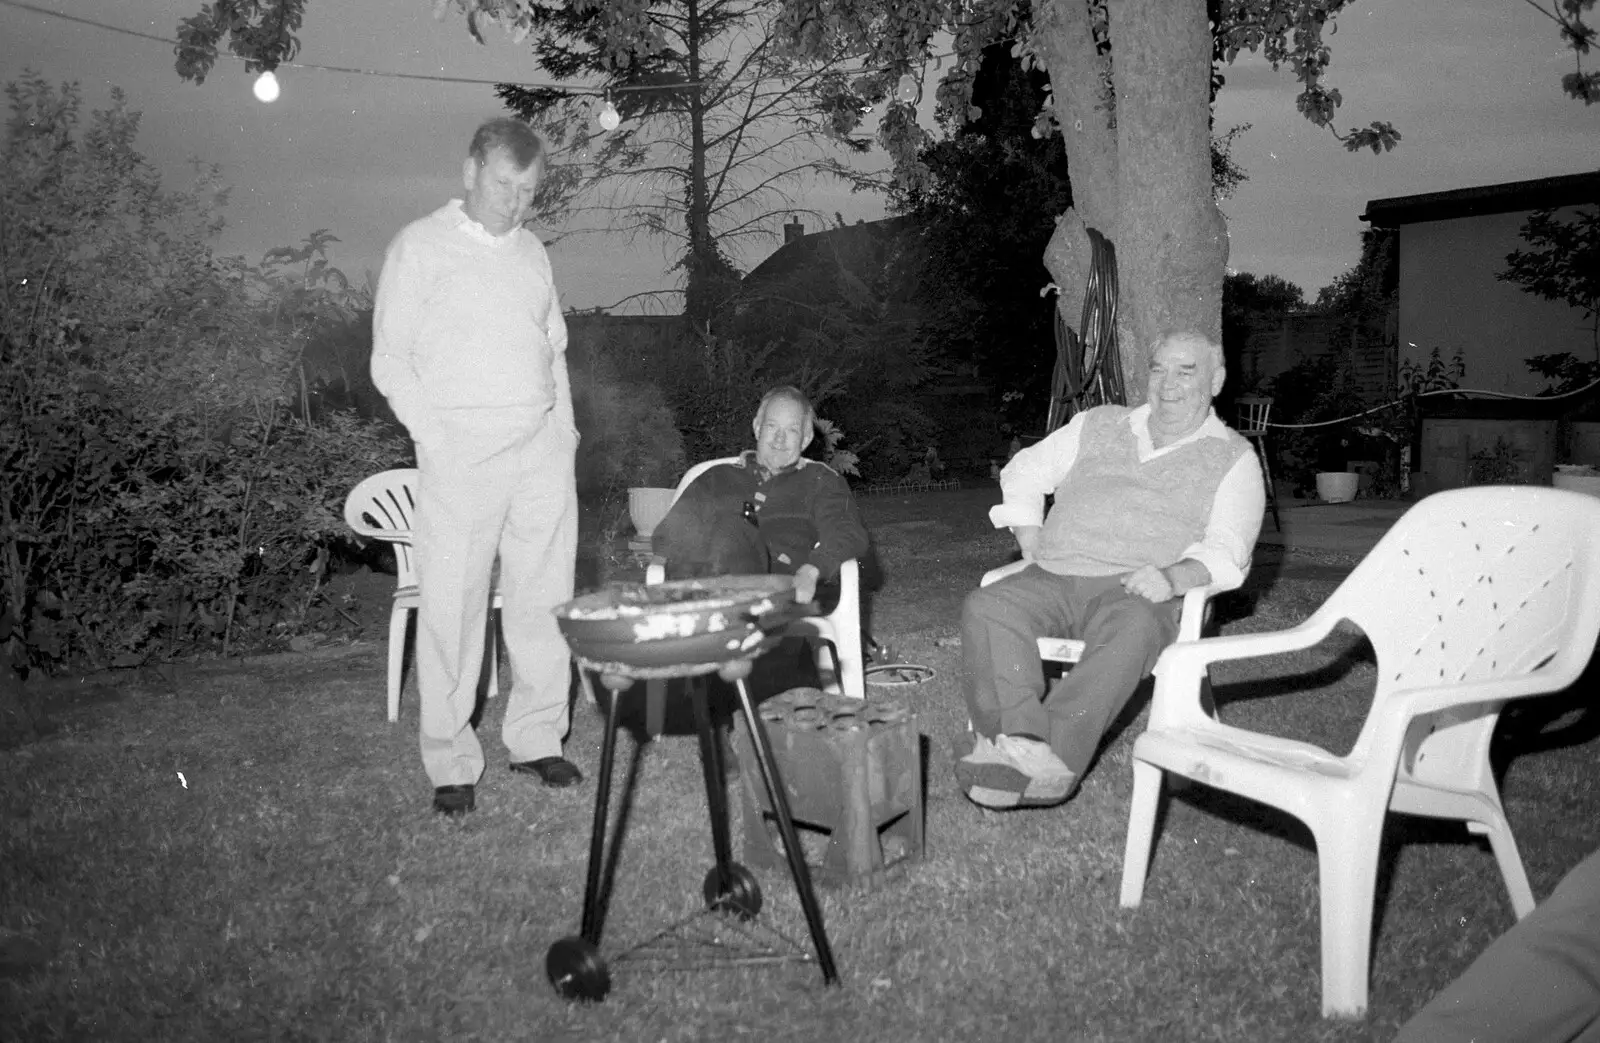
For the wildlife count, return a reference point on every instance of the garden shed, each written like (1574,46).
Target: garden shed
(1452,247)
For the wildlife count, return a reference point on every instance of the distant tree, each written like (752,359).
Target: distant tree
(1250,301)
(1362,299)
(719,124)
(1562,265)
(986,212)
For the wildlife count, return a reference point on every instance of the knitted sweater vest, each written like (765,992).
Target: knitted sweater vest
(1114,514)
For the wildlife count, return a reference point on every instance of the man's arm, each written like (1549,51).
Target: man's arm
(840,533)
(396,316)
(1032,474)
(1223,554)
(556,335)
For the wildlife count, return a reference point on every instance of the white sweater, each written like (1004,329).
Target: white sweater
(466,320)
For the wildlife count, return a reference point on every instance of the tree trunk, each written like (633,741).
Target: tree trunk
(1078,76)
(1141,171)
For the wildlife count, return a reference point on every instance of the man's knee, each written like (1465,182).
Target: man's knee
(1134,623)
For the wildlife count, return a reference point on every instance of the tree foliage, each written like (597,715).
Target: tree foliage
(1130,85)
(1562,263)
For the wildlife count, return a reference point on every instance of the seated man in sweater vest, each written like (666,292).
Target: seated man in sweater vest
(771,510)
(1149,502)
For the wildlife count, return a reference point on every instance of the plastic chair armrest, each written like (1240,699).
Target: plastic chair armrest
(1003,571)
(656,571)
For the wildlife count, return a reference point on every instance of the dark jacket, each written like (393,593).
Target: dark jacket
(804,514)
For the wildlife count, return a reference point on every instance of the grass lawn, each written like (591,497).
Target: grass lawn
(247,852)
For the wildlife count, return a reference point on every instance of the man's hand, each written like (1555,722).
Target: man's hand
(805,582)
(1150,583)
(1027,539)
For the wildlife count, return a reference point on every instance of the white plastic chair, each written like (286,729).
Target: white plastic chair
(839,631)
(1476,596)
(381,507)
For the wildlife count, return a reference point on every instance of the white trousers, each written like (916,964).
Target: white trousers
(494,481)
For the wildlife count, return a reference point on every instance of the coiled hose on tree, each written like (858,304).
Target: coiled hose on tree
(1088,368)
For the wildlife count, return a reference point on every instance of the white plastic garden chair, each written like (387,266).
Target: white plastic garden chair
(381,507)
(839,632)
(1475,597)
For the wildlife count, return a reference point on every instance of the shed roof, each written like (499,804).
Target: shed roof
(1510,197)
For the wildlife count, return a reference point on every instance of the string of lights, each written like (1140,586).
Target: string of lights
(266,85)
(349,70)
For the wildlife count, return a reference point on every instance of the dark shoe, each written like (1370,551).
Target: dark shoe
(454,800)
(552,771)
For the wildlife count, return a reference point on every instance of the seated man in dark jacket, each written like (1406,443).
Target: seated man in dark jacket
(770,511)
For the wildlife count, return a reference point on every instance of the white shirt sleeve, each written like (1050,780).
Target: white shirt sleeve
(1034,473)
(1235,522)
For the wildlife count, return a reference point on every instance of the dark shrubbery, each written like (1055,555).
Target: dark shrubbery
(158,491)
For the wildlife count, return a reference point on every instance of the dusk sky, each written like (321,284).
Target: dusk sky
(1473,86)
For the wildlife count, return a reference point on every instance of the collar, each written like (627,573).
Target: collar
(748,459)
(1139,422)
(456,214)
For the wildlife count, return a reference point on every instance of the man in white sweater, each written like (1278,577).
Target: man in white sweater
(469,346)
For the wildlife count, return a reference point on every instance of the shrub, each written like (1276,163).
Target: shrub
(155,488)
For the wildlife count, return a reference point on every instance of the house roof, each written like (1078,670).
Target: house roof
(1541,193)
(801,252)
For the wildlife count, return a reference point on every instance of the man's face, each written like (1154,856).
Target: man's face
(498,192)
(781,434)
(1183,380)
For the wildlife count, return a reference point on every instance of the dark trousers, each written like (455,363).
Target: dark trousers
(1123,635)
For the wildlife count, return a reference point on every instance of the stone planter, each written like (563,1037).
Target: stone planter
(647,505)
(1337,486)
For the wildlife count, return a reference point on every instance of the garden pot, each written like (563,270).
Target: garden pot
(1338,486)
(647,505)
(1577,478)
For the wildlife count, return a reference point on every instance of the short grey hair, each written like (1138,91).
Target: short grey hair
(1213,348)
(518,139)
(793,394)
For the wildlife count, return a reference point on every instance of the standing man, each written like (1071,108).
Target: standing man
(1149,502)
(469,346)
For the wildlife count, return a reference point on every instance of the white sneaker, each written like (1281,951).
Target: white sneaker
(1036,759)
(1008,772)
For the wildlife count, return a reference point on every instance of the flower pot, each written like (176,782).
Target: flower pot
(647,505)
(1579,479)
(1338,486)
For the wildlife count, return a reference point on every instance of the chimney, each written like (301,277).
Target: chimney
(793,230)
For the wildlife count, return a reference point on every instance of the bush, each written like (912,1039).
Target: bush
(629,435)
(156,490)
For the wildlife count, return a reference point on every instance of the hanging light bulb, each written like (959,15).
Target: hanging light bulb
(266,87)
(610,118)
(906,89)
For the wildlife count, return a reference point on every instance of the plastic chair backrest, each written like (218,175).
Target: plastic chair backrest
(1493,584)
(382,507)
(1253,413)
(696,471)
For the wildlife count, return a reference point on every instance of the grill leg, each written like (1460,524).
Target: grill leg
(593,905)
(716,777)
